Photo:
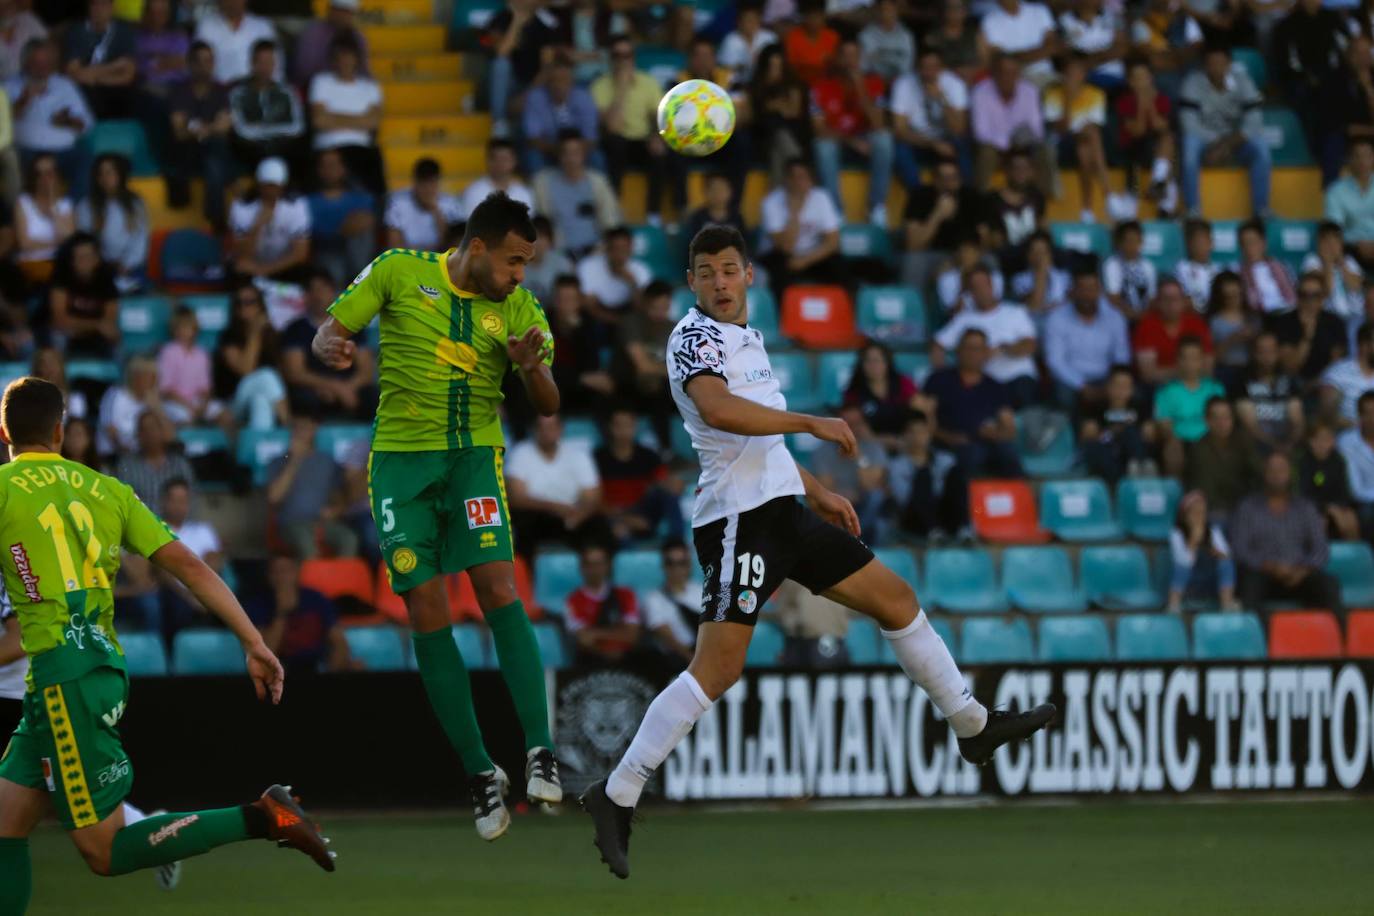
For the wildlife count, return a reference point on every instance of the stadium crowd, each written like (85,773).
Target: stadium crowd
(1219,355)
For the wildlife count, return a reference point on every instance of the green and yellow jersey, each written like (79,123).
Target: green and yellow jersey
(442,355)
(63,525)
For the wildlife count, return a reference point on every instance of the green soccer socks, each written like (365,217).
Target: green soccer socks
(16,876)
(450,696)
(166,838)
(517,649)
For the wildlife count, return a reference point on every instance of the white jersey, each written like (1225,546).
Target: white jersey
(12,675)
(738,473)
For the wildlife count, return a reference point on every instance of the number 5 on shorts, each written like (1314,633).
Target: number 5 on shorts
(388,519)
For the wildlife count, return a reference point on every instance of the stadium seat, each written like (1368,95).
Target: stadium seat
(663,64)
(1359,634)
(1151,638)
(1253,63)
(962,581)
(901,561)
(386,601)
(765,648)
(797,380)
(1003,511)
(583,431)
(803,447)
(819,316)
(892,314)
(143,654)
(474,14)
(555,576)
(123,138)
(1040,580)
(212,316)
(335,577)
(684,300)
(1146,505)
(335,439)
(914,366)
(463,598)
(1056,460)
(995,641)
(1085,238)
(1227,635)
(474,645)
(862,641)
(1291,240)
(651,247)
(97,370)
(379,648)
(190,260)
(1078,510)
(551,647)
(9,371)
(1225,241)
(1117,578)
(941,626)
(202,440)
(865,240)
(834,370)
(641,570)
(1284,134)
(258,448)
(1304,634)
(1163,244)
(143,323)
(1074,639)
(1352,562)
(206,651)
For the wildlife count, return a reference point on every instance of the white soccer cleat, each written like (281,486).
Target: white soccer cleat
(488,791)
(541,776)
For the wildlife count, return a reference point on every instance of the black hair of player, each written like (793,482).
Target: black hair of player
(30,411)
(714,239)
(496,217)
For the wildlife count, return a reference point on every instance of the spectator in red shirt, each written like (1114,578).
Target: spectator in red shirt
(811,45)
(1146,137)
(637,494)
(849,114)
(1157,336)
(602,618)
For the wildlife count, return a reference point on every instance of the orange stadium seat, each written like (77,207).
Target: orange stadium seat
(336,577)
(1359,634)
(1304,634)
(388,602)
(819,316)
(1004,511)
(463,600)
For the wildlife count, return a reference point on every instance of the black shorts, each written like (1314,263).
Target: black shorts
(745,557)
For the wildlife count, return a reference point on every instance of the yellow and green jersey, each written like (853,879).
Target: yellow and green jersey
(63,525)
(442,354)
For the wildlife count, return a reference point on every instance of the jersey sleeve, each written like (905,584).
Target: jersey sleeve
(697,350)
(144,532)
(530,314)
(363,299)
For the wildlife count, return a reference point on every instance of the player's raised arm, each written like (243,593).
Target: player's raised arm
(530,354)
(732,414)
(356,306)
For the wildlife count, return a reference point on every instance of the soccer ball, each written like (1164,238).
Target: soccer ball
(696,117)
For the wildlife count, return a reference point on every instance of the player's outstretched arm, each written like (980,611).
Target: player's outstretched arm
(726,412)
(333,345)
(828,504)
(202,581)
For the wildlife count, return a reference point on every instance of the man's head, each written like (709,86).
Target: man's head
(677,565)
(1170,300)
(184,325)
(1129,239)
(425,177)
(1253,245)
(331,171)
(1330,241)
(560,81)
(572,152)
(1321,438)
(887,13)
(1120,386)
(84,251)
(848,58)
(176,501)
(498,242)
(1362,158)
(501,159)
(567,297)
(1221,421)
(594,562)
(978,282)
(320,290)
(1073,69)
(971,354)
(621,427)
(1278,474)
(930,65)
(917,434)
(948,178)
(812,14)
(1197,236)
(622,53)
(1190,358)
(657,300)
(853,416)
(797,179)
(31,415)
(149,434)
(749,17)
(1040,249)
(1086,290)
(1020,170)
(99,13)
(1006,74)
(1264,353)
(720,273)
(701,60)
(263,63)
(620,245)
(1216,63)
(344,55)
(304,426)
(1364,409)
(200,62)
(341,13)
(233,10)
(1311,292)
(547,432)
(1139,76)
(272,176)
(284,574)
(40,58)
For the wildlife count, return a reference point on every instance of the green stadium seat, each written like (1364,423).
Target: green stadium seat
(556,575)
(1146,505)
(865,240)
(551,647)
(379,648)
(641,570)
(143,654)
(124,138)
(212,315)
(336,439)
(765,648)
(681,442)
(581,431)
(1040,580)
(862,641)
(803,446)
(1074,639)
(1253,63)
(995,641)
(1117,578)
(9,371)
(1225,241)
(474,645)
(651,247)
(901,561)
(1163,244)
(1291,240)
(143,323)
(469,15)
(1352,562)
(1151,638)
(258,448)
(191,259)
(97,370)
(1056,460)
(1078,510)
(915,366)
(962,581)
(202,440)
(946,633)
(663,64)
(1085,238)
(684,300)
(763,316)
(834,370)
(892,314)
(798,381)
(206,651)
(1228,635)
(1287,142)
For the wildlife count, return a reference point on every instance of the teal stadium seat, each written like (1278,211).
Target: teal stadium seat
(379,648)
(1291,240)
(1151,638)
(892,314)
(1352,562)
(663,64)
(683,301)
(471,15)
(206,651)
(995,641)
(834,369)
(1163,244)
(765,648)
(1228,635)
(123,138)
(581,432)
(1085,238)
(555,576)
(763,316)
(1253,63)
(197,441)
(798,381)
(1040,580)
(9,371)
(258,448)
(1146,505)
(861,641)
(865,240)
(900,561)
(803,447)
(212,316)
(915,366)
(682,442)
(962,581)
(1117,578)
(1225,241)
(1287,142)
(641,570)
(1078,510)
(98,370)
(651,247)
(1074,639)
(336,439)
(946,633)
(192,259)
(144,654)
(1056,460)
(143,323)
(474,646)
(551,647)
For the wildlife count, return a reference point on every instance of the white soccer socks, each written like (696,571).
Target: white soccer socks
(666,722)
(926,660)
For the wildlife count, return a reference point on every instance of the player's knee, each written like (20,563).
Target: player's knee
(495,594)
(97,860)
(718,676)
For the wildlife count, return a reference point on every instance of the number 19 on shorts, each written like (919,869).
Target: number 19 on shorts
(750,563)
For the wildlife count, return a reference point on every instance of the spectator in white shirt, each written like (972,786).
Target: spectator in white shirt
(1089,28)
(611,279)
(345,111)
(1196,271)
(420,216)
(1041,287)
(887,47)
(1344,278)
(1084,339)
(271,232)
(929,118)
(1024,31)
(1357,447)
(123,404)
(740,49)
(179,608)
(50,114)
(801,228)
(1010,335)
(231,32)
(500,176)
(1076,115)
(555,491)
(1269,285)
(672,610)
(1343,383)
(18,27)
(951,284)
(1130,280)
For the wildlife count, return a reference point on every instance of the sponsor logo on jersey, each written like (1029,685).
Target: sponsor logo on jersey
(25,570)
(47,774)
(113,773)
(748,602)
(114,715)
(362,275)
(167,831)
(492,324)
(403,560)
(709,356)
(488,539)
(757,375)
(429,291)
(483,512)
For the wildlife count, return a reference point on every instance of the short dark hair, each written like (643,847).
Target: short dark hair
(1189,340)
(1213,401)
(563,280)
(175,482)
(1358,141)
(671,544)
(1365,334)
(344,41)
(496,143)
(320,272)
(798,161)
(1130,225)
(1195,226)
(917,418)
(1328,227)
(1121,369)
(714,239)
(971,332)
(543,225)
(657,288)
(199,45)
(1363,399)
(263,44)
(426,169)
(617,232)
(569,133)
(30,410)
(1216,47)
(496,217)
(1254,224)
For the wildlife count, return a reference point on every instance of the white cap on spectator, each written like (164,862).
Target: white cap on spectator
(353,5)
(272,171)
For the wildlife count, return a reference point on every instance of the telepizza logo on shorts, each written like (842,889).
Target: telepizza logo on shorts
(403,560)
(748,601)
(483,512)
(26,573)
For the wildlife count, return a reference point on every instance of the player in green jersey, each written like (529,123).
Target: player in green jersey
(452,325)
(63,526)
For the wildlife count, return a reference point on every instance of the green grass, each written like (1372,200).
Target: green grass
(1310,857)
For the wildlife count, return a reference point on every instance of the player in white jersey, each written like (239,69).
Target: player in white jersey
(752,532)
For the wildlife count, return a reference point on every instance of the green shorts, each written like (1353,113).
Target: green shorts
(439,512)
(68,743)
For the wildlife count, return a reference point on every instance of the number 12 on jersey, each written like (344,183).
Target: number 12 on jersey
(92,576)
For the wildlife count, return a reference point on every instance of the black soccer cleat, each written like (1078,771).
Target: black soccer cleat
(612,828)
(1004,727)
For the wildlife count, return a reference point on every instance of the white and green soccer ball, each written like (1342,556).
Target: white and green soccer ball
(696,117)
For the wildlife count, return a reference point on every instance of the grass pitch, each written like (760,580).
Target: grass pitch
(1292,857)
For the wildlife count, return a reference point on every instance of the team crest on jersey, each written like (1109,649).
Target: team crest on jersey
(492,324)
(429,291)
(403,560)
(483,512)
